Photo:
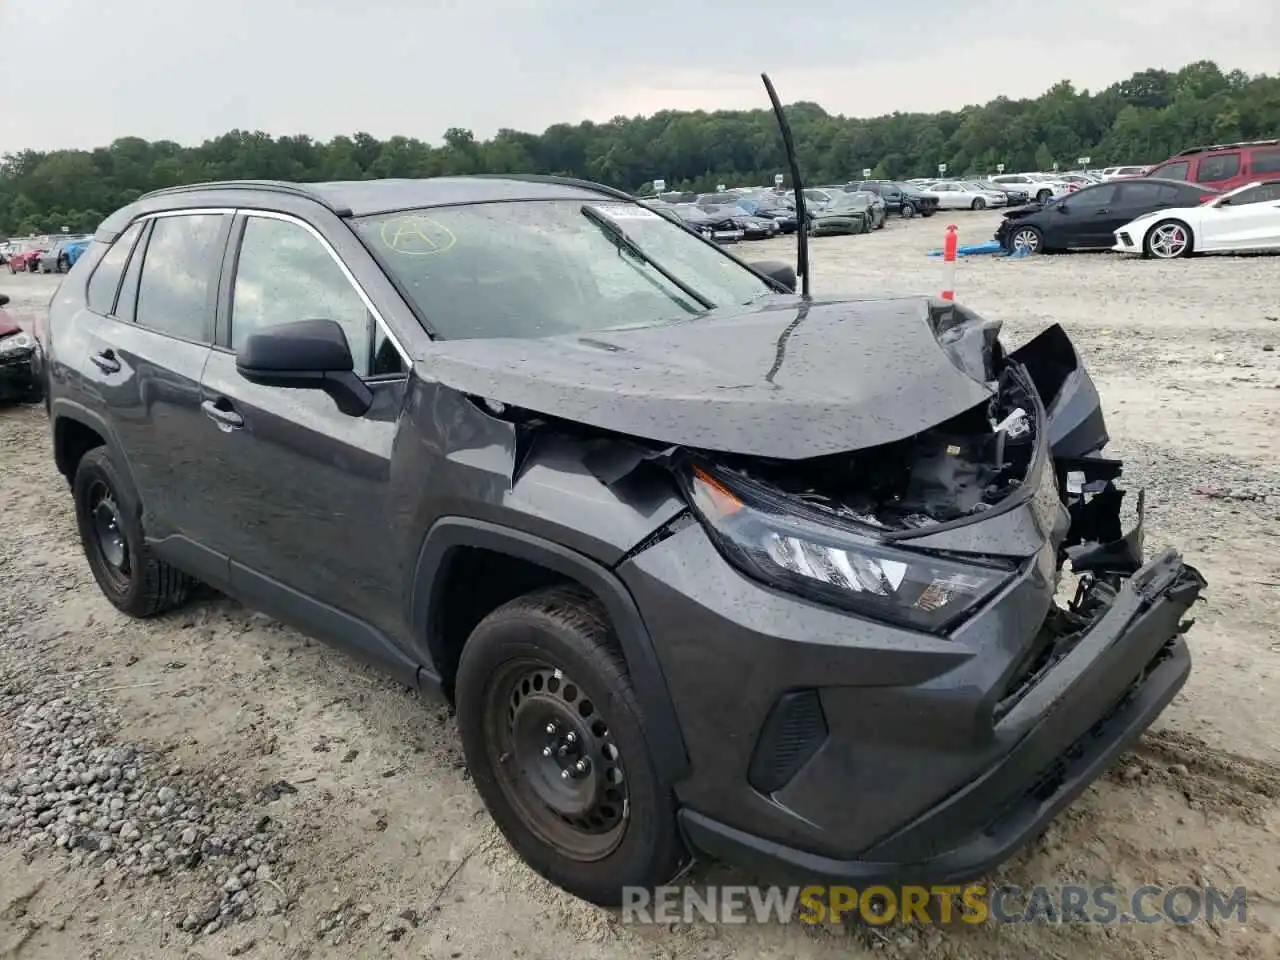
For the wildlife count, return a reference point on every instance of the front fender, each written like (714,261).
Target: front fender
(450,533)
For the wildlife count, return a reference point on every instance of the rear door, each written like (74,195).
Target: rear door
(1136,197)
(304,508)
(146,360)
(1220,170)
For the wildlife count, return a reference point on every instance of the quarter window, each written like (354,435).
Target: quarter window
(101,295)
(174,293)
(285,274)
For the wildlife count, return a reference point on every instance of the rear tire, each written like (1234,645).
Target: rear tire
(979,204)
(535,671)
(128,573)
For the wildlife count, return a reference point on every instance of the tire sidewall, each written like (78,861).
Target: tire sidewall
(1186,251)
(908,210)
(94,466)
(650,848)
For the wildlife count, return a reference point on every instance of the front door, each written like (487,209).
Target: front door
(304,505)
(146,360)
(1091,218)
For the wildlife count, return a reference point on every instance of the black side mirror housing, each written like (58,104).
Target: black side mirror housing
(779,272)
(309,354)
(4,298)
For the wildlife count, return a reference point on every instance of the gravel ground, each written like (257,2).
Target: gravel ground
(212,784)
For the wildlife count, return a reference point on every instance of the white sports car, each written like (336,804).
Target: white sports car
(1246,218)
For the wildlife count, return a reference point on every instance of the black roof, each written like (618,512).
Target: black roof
(358,198)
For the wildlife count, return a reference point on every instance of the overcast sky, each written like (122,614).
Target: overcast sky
(74,73)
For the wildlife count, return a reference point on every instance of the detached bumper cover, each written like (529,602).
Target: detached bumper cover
(1070,726)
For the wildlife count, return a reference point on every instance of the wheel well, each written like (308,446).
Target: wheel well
(475,582)
(71,441)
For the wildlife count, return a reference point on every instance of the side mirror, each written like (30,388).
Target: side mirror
(4,298)
(1062,207)
(308,354)
(779,272)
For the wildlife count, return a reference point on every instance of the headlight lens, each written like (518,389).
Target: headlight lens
(16,342)
(776,540)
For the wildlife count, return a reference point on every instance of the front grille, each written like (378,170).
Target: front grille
(791,735)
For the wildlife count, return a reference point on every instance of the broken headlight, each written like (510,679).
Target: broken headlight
(772,538)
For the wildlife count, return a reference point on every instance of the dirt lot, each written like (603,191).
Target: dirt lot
(240,790)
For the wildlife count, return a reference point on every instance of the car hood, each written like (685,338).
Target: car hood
(783,378)
(1025,210)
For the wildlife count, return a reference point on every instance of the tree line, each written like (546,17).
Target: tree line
(1144,119)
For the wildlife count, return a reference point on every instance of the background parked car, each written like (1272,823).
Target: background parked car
(901,198)
(1014,194)
(843,213)
(958,195)
(18,380)
(1110,173)
(1089,218)
(57,259)
(25,262)
(1039,189)
(877,211)
(1225,166)
(1246,218)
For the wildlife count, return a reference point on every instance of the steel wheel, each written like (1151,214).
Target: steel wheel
(561,769)
(108,539)
(1027,238)
(1169,240)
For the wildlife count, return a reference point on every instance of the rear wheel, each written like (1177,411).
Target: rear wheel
(129,575)
(556,745)
(979,203)
(1168,240)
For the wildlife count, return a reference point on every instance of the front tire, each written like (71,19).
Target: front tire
(1027,237)
(908,210)
(1168,240)
(1042,196)
(979,204)
(555,742)
(129,575)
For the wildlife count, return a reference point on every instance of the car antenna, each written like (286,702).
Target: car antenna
(802,219)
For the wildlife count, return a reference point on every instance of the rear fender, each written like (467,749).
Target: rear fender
(1071,402)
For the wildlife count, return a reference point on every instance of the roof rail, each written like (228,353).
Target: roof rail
(272,186)
(1228,146)
(562,181)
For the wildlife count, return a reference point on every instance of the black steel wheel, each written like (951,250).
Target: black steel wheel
(555,743)
(129,575)
(908,210)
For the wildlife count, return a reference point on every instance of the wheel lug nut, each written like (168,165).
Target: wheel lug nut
(565,774)
(582,766)
(551,728)
(571,738)
(546,751)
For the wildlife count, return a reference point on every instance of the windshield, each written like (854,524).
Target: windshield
(542,268)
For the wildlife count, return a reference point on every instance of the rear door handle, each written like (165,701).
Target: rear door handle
(225,419)
(106,361)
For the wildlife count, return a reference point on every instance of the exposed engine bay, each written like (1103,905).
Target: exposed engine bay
(958,469)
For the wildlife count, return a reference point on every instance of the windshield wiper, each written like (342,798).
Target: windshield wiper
(623,239)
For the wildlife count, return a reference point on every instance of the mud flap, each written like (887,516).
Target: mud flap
(1076,424)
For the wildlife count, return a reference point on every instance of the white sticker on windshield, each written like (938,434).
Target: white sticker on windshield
(626,211)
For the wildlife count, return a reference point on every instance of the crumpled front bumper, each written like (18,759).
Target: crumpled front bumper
(18,375)
(1064,733)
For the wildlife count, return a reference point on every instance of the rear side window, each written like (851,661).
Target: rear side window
(1223,166)
(1266,161)
(1141,193)
(101,296)
(175,291)
(1174,171)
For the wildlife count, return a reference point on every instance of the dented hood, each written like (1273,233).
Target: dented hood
(784,379)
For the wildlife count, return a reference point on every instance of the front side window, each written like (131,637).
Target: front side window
(284,274)
(543,268)
(1263,193)
(1098,196)
(174,291)
(101,295)
(1174,171)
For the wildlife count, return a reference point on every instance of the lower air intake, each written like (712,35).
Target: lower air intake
(792,734)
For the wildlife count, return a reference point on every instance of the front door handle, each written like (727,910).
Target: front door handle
(106,361)
(1103,212)
(225,419)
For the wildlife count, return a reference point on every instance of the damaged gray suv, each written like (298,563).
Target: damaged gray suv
(707,568)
